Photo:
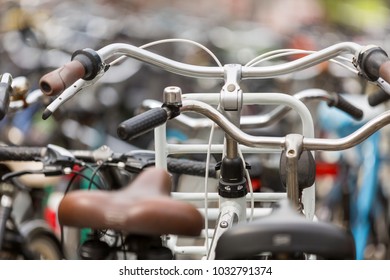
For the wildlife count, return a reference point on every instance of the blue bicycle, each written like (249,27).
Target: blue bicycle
(357,186)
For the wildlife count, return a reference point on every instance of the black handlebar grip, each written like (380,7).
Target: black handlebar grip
(378,97)
(5,93)
(190,167)
(344,105)
(142,123)
(21,153)
(58,80)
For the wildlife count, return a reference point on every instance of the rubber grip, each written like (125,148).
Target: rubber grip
(57,81)
(377,98)
(20,153)
(190,167)
(5,93)
(142,123)
(384,71)
(347,107)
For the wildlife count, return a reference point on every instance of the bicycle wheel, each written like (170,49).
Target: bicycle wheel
(44,247)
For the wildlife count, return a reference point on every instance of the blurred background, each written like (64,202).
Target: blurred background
(37,36)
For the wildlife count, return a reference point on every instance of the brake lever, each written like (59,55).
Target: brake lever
(71,91)
(136,161)
(56,155)
(385,86)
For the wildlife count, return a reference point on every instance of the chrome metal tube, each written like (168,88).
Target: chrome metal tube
(302,63)
(231,129)
(218,72)
(351,140)
(311,144)
(161,61)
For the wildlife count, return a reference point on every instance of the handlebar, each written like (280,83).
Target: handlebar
(96,64)
(219,72)
(312,144)
(134,161)
(85,64)
(156,116)
(341,103)
(57,81)
(259,121)
(142,123)
(374,63)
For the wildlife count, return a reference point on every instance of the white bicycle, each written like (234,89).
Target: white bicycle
(236,206)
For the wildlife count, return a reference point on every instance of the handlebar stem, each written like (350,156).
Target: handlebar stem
(231,93)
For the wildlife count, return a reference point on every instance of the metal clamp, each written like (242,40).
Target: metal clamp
(231,93)
(294,143)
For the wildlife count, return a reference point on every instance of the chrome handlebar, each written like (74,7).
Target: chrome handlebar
(219,72)
(239,72)
(311,144)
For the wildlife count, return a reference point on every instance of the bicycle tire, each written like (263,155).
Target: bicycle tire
(44,247)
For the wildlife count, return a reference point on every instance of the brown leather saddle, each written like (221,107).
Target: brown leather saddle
(143,207)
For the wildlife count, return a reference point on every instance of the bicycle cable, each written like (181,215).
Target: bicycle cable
(286,52)
(175,40)
(208,154)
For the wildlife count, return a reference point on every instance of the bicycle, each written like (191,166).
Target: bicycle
(87,66)
(357,190)
(152,212)
(23,232)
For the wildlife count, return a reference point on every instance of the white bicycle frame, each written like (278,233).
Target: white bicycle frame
(230,208)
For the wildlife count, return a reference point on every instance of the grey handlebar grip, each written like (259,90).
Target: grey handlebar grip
(142,123)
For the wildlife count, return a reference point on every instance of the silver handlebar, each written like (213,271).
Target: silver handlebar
(311,144)
(246,121)
(243,72)
(219,72)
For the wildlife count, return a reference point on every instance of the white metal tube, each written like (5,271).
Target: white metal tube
(264,197)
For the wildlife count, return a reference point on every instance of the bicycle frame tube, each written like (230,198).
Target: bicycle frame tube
(364,204)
